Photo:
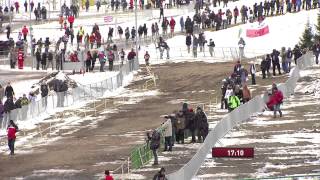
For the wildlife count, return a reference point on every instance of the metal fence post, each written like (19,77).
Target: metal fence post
(224,57)
(111,84)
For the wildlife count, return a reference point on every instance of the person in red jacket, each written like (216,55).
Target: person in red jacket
(25,33)
(92,39)
(98,38)
(108,176)
(235,14)
(172,24)
(12,130)
(131,56)
(71,20)
(20,59)
(16,4)
(275,100)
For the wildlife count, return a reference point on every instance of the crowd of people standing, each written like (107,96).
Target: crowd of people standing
(176,126)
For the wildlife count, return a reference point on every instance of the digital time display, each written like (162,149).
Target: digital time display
(230,152)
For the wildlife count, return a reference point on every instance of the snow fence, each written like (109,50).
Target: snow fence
(74,96)
(239,115)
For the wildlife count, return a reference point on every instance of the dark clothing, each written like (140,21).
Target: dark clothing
(44,90)
(155,144)
(167,142)
(159,176)
(17,104)
(202,124)
(44,61)
(38,58)
(264,67)
(188,40)
(275,61)
(9,91)
(11,145)
(9,105)
(191,124)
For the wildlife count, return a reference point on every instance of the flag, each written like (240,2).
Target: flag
(257,29)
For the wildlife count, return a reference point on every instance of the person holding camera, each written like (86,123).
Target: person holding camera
(154,140)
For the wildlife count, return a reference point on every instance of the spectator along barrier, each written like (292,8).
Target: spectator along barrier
(64,97)
(237,116)
(142,154)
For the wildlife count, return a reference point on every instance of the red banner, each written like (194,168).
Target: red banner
(260,30)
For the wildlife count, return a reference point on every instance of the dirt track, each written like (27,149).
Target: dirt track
(107,142)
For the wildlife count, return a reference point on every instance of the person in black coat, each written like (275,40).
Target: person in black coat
(316,51)
(8,92)
(191,124)
(140,31)
(224,102)
(296,53)
(50,59)
(8,31)
(145,30)
(44,94)
(275,61)
(38,58)
(264,67)
(47,44)
(188,42)
(237,68)
(268,59)
(44,61)
(202,123)
(44,90)
(133,33)
(9,105)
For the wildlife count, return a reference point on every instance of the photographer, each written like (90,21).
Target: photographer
(154,140)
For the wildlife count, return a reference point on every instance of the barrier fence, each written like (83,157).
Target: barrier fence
(219,53)
(239,115)
(68,98)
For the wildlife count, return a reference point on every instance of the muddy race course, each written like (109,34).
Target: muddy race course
(83,147)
